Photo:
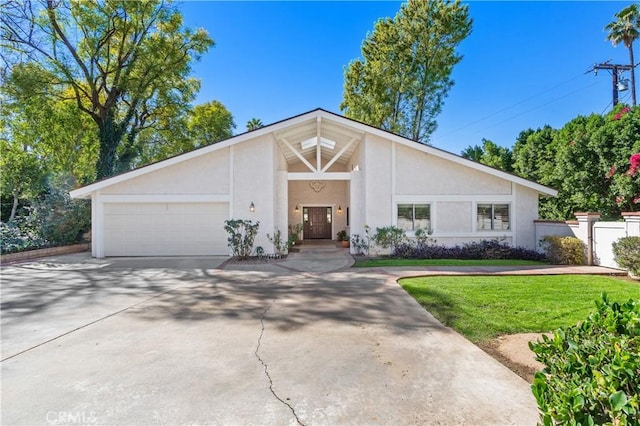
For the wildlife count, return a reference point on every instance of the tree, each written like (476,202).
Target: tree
(253,124)
(491,155)
(122,60)
(209,123)
(400,83)
(473,153)
(22,174)
(47,124)
(625,30)
(534,154)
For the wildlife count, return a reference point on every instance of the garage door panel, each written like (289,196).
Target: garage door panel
(165,229)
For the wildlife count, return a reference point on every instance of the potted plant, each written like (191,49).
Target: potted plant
(344,238)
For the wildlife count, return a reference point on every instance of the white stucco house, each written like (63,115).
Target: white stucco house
(318,169)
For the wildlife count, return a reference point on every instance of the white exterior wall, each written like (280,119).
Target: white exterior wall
(396,174)
(254,182)
(378,181)
(357,194)
(208,174)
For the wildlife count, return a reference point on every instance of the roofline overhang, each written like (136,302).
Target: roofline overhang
(86,191)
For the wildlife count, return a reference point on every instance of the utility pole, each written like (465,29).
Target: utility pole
(615,70)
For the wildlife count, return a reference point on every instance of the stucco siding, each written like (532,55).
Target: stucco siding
(378,167)
(526,211)
(208,174)
(254,182)
(452,216)
(420,173)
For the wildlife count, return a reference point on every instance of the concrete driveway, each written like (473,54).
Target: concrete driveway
(178,341)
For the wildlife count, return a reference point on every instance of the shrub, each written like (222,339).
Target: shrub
(61,219)
(626,253)
(592,369)
(362,245)
(389,237)
(485,249)
(564,250)
(242,234)
(17,236)
(280,246)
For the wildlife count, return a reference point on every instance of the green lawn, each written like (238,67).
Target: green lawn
(483,307)
(371,263)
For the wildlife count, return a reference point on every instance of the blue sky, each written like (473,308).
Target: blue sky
(524,63)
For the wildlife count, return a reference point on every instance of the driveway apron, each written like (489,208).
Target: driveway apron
(182,341)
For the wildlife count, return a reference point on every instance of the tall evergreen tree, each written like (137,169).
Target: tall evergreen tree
(405,71)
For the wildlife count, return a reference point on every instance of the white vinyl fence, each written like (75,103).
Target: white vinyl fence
(597,236)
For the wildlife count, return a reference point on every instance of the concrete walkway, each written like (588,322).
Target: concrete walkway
(181,341)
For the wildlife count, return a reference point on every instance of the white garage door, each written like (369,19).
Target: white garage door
(165,229)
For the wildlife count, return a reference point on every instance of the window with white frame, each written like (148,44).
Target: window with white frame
(414,216)
(493,217)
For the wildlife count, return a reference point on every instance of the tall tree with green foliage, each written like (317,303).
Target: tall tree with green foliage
(625,30)
(209,123)
(47,123)
(534,154)
(404,75)
(123,60)
(491,155)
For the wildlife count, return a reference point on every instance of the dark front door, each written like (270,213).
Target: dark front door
(317,222)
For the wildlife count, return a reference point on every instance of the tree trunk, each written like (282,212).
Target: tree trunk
(109,136)
(14,207)
(633,76)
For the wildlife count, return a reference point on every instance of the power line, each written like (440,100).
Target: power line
(539,106)
(458,129)
(521,102)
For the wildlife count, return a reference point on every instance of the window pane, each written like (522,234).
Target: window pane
(405,217)
(422,216)
(484,216)
(328,214)
(501,216)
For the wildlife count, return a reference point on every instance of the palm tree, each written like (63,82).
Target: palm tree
(625,30)
(253,124)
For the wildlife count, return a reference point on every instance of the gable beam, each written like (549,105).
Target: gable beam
(318,147)
(338,155)
(319,176)
(299,155)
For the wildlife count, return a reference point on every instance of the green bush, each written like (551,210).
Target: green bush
(17,235)
(61,219)
(389,237)
(592,369)
(626,253)
(242,234)
(564,250)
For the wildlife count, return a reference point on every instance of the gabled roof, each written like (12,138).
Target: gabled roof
(340,134)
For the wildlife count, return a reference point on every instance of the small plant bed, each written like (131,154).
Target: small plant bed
(484,307)
(390,262)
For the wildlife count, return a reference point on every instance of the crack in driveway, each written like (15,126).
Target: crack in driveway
(266,369)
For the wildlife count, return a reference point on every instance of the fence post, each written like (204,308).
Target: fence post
(632,222)
(585,231)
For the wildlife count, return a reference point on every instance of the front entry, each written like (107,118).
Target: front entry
(317,223)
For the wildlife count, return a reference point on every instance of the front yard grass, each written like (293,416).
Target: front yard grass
(374,263)
(484,307)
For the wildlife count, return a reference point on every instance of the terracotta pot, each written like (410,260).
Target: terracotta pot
(345,243)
